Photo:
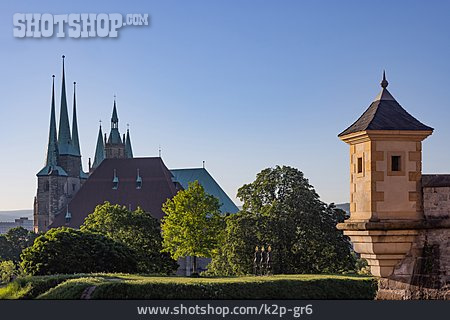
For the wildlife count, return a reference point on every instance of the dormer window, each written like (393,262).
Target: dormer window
(115,181)
(138,180)
(68,216)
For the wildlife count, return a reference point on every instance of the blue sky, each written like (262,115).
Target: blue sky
(243,85)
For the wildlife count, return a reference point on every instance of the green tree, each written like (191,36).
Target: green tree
(65,251)
(14,241)
(8,271)
(137,230)
(281,209)
(192,224)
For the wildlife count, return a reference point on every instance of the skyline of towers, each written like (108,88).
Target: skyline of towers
(62,175)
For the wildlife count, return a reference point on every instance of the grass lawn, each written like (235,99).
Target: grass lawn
(126,286)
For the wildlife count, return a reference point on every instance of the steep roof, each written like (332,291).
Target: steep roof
(156,188)
(51,164)
(99,149)
(75,138)
(184,176)
(385,113)
(64,137)
(128,149)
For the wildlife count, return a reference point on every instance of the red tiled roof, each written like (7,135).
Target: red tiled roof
(157,187)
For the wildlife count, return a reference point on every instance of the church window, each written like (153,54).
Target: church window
(73,186)
(46,186)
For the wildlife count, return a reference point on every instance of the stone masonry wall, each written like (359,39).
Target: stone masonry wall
(425,272)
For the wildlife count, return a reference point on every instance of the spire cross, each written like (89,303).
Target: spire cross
(100,121)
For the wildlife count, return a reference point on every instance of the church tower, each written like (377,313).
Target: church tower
(115,147)
(62,175)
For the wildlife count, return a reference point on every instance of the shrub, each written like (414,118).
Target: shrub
(8,271)
(65,251)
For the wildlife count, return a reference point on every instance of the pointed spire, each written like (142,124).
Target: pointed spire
(99,149)
(128,149)
(384,94)
(75,139)
(114,117)
(114,135)
(64,138)
(52,149)
(384,83)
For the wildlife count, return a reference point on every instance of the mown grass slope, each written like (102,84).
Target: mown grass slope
(123,286)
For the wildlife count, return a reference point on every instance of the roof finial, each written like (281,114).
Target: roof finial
(384,82)
(159,151)
(203,164)
(100,121)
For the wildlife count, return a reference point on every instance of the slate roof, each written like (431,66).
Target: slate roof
(184,176)
(157,187)
(385,113)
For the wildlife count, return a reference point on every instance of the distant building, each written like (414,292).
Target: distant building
(66,194)
(23,222)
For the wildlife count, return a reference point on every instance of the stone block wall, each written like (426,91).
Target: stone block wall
(425,272)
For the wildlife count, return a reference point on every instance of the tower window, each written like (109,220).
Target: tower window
(396,163)
(73,186)
(46,186)
(360,168)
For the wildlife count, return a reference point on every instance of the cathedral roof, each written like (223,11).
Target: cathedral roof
(156,186)
(64,137)
(184,176)
(99,149)
(385,113)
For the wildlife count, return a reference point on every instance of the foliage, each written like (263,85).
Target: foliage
(13,242)
(66,250)
(276,287)
(137,230)
(30,287)
(8,271)
(192,223)
(281,209)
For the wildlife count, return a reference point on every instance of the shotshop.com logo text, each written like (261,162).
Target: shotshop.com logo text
(74,25)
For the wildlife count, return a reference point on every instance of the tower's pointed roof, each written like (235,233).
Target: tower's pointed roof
(114,135)
(75,139)
(385,113)
(64,137)
(99,149)
(128,149)
(51,163)
(114,117)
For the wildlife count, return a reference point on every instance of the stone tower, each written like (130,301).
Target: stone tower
(385,181)
(114,146)
(385,161)
(399,219)
(62,175)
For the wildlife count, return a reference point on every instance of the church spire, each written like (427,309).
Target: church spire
(52,149)
(75,139)
(114,117)
(64,139)
(99,150)
(128,149)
